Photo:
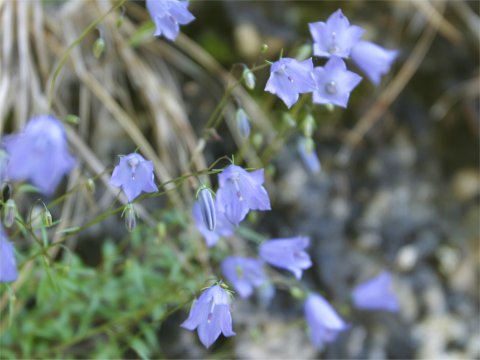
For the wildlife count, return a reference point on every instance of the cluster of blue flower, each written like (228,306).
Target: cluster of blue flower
(331,84)
(40,154)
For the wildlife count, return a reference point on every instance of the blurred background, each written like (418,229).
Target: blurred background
(399,187)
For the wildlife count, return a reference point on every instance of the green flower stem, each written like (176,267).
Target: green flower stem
(215,118)
(77,41)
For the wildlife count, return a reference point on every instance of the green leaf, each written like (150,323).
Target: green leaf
(140,348)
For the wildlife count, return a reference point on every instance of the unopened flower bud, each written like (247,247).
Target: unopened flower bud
(98,47)
(308,125)
(249,78)
(329,107)
(304,52)
(9,213)
(289,120)
(130,217)
(46,217)
(257,140)
(297,293)
(161,230)
(242,123)
(90,185)
(207,208)
(120,19)
(6,192)
(71,119)
(263,48)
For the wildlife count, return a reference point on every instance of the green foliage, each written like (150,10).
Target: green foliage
(72,310)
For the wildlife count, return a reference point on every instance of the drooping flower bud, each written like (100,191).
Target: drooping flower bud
(304,52)
(249,78)
(121,18)
(207,207)
(98,47)
(90,185)
(288,120)
(243,123)
(9,213)
(6,192)
(130,217)
(257,140)
(71,119)
(46,217)
(161,230)
(308,125)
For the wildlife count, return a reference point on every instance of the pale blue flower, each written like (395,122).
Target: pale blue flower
(241,191)
(323,321)
(210,315)
(376,294)
(334,83)
(8,265)
(244,274)
(334,37)
(287,254)
(134,175)
(289,78)
(168,15)
(39,154)
(372,59)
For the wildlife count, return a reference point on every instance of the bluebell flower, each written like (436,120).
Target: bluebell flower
(373,60)
(39,154)
(334,37)
(334,83)
(306,149)
(244,274)
(8,265)
(287,254)
(323,321)
(223,227)
(134,174)
(210,315)
(376,294)
(168,15)
(241,191)
(289,78)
